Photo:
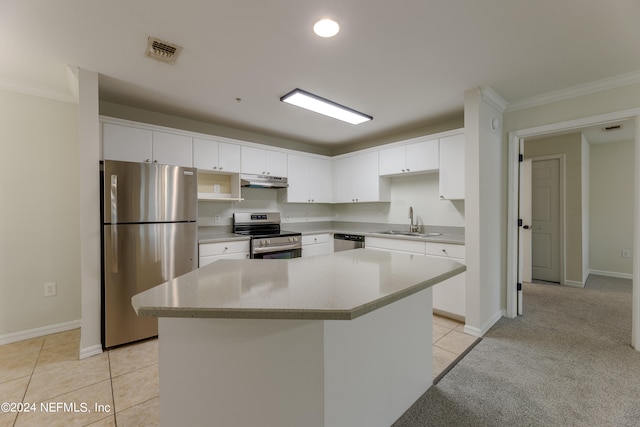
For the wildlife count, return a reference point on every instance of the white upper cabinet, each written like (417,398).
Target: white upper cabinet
(134,144)
(356,179)
(125,143)
(451,179)
(310,179)
(421,156)
(263,162)
(216,156)
(172,149)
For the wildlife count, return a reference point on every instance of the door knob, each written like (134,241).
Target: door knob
(526,227)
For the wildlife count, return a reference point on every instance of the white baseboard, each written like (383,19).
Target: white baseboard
(479,332)
(90,351)
(611,274)
(574,284)
(39,332)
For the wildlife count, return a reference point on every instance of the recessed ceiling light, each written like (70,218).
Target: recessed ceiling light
(321,105)
(326,28)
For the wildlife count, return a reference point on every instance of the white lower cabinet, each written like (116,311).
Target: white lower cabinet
(398,245)
(316,244)
(449,297)
(210,252)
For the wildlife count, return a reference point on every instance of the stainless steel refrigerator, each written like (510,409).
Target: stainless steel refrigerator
(149,214)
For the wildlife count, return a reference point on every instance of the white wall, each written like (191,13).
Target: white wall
(485,235)
(419,191)
(585,169)
(611,207)
(39,234)
(89,157)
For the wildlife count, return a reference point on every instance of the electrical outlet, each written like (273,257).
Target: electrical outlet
(626,253)
(50,289)
(216,218)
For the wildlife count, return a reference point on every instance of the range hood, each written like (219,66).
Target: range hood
(263,181)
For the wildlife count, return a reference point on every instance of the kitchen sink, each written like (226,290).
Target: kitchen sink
(408,233)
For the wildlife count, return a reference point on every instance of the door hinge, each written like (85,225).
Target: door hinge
(519,286)
(521,158)
(519,222)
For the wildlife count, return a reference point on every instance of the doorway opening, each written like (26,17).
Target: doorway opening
(585,255)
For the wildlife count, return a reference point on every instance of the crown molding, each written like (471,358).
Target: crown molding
(492,98)
(575,91)
(42,92)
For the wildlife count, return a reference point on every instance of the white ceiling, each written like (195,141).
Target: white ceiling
(405,63)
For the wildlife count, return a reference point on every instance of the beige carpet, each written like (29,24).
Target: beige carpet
(566,362)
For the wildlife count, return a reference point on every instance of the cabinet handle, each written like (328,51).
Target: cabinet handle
(226,248)
(408,170)
(215,167)
(220,167)
(148,160)
(155,161)
(402,170)
(441,197)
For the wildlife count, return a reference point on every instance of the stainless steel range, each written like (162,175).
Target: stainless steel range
(268,241)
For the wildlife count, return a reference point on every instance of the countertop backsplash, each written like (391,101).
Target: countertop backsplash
(417,191)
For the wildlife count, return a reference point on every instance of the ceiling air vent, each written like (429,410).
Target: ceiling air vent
(162,51)
(611,128)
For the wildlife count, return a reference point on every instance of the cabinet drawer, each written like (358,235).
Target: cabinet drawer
(221,248)
(204,260)
(313,239)
(445,250)
(401,245)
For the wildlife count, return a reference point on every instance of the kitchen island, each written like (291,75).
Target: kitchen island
(335,340)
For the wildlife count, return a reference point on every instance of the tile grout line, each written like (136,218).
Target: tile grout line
(113,397)
(33,370)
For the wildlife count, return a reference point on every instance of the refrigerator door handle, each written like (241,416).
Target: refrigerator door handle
(114,220)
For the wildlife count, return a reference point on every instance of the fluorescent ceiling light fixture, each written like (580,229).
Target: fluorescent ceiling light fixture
(321,105)
(326,28)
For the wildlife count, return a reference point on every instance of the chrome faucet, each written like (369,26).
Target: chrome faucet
(412,228)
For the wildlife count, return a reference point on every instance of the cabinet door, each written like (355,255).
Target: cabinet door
(275,163)
(392,160)
(126,143)
(422,156)
(451,179)
(320,180)
(343,183)
(172,149)
(298,190)
(313,250)
(449,296)
(205,154)
(252,160)
(228,157)
(366,177)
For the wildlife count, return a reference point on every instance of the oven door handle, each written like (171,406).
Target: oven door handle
(276,248)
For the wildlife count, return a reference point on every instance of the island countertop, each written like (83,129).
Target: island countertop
(338,286)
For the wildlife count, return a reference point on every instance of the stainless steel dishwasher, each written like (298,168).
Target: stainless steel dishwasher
(344,242)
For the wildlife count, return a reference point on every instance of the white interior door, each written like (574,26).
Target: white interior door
(524,232)
(545,229)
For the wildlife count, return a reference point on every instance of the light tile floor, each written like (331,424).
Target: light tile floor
(119,387)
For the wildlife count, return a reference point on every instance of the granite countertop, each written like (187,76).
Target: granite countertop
(338,286)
